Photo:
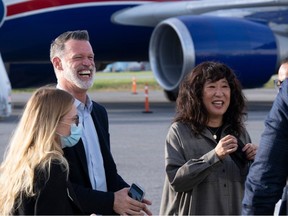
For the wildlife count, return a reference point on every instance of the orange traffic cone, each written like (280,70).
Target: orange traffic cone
(134,85)
(147,110)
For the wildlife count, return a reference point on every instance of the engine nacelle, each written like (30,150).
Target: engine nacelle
(178,44)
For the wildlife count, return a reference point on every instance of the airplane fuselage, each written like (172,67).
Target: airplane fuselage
(30,26)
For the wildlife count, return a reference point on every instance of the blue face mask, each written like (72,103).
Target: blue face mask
(73,138)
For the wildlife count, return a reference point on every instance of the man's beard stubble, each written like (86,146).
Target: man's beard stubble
(71,75)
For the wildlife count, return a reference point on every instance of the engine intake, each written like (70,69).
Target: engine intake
(178,44)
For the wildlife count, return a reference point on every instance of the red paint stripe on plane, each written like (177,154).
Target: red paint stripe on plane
(32,5)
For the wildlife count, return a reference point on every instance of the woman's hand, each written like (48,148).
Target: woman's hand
(226,146)
(250,150)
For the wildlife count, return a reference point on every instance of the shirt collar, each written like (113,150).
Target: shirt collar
(87,105)
(78,103)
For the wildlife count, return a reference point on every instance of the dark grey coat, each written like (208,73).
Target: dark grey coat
(197,182)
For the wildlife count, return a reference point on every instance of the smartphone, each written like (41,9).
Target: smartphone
(136,192)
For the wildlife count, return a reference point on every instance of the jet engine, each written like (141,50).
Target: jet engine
(178,44)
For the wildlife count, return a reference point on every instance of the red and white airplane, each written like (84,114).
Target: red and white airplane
(251,36)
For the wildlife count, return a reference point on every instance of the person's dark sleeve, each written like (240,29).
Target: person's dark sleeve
(93,201)
(267,175)
(53,197)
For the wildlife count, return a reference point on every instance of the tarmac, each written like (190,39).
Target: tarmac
(137,137)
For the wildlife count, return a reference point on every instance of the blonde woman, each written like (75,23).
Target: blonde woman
(33,174)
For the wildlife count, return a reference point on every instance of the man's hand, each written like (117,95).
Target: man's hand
(125,205)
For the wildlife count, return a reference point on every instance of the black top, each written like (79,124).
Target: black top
(55,195)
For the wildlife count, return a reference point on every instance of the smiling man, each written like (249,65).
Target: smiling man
(93,171)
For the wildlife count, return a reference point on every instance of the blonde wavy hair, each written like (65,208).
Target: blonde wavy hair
(34,144)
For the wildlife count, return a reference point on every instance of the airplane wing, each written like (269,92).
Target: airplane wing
(153,13)
(245,34)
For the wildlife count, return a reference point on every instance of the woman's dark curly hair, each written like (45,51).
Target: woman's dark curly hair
(190,108)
